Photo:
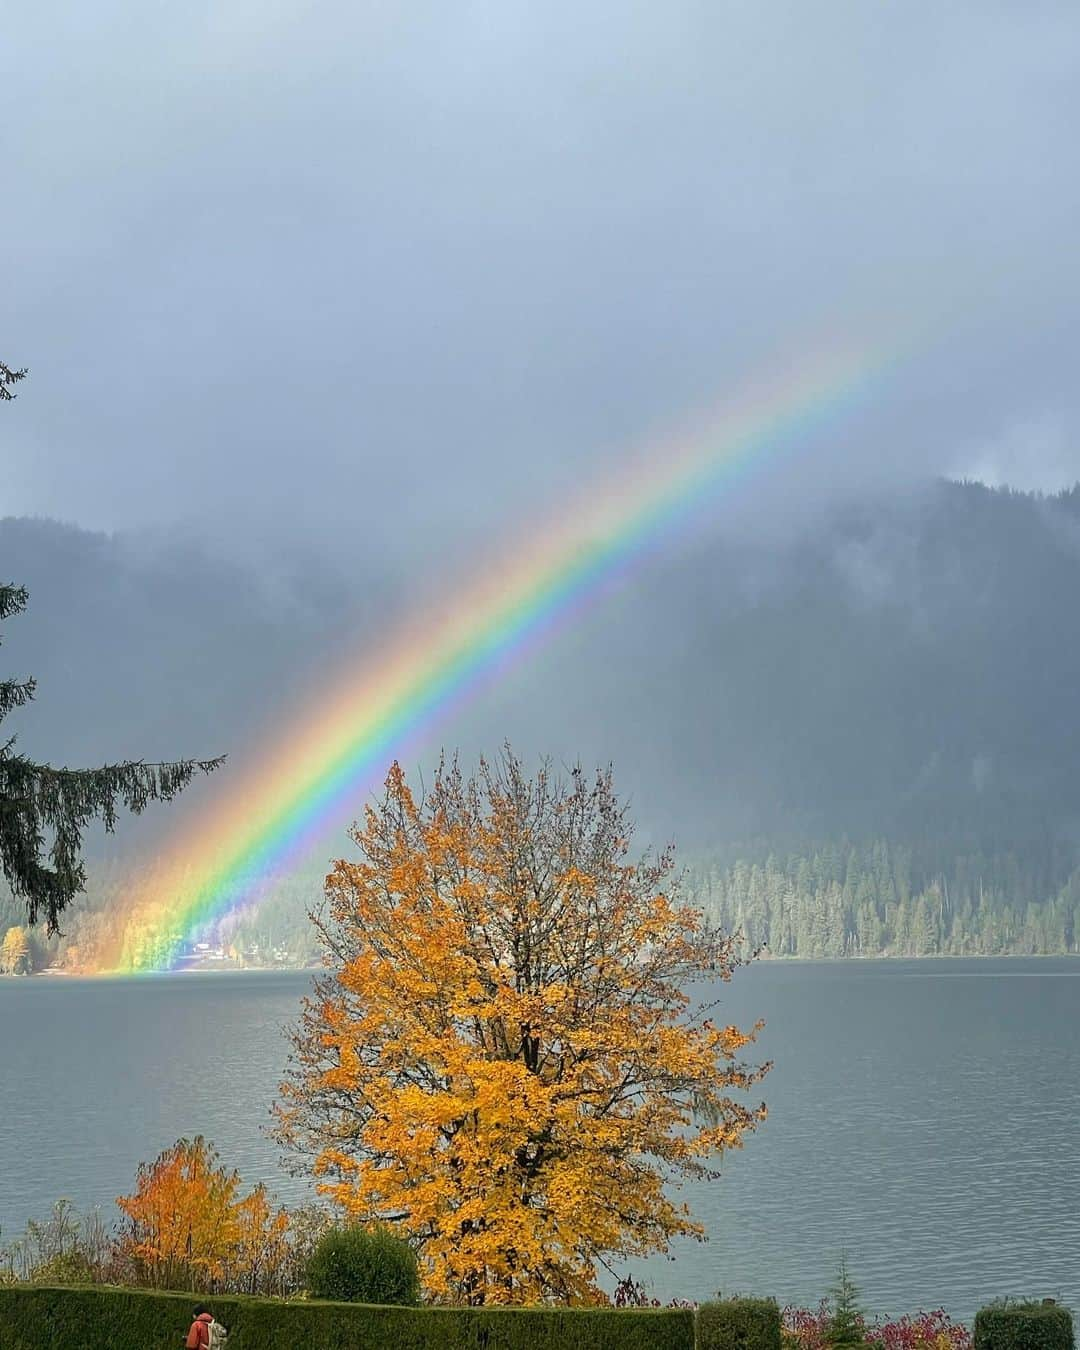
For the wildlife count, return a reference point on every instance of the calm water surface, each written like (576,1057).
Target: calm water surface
(923,1119)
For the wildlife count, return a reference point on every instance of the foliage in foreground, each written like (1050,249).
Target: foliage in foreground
(185,1226)
(362,1265)
(739,1324)
(118,1319)
(839,1323)
(504,1057)
(1024,1325)
(65,1248)
(808,1329)
(847,1324)
(113,1319)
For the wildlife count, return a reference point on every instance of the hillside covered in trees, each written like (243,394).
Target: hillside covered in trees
(885,702)
(881,900)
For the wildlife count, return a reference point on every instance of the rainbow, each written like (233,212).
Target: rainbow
(275,812)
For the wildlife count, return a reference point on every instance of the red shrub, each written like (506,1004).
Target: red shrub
(805,1328)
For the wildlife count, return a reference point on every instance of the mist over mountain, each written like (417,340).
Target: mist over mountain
(908,666)
(901,668)
(150,645)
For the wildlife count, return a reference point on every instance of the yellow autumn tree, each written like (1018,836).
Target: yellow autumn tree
(180,1218)
(512,1056)
(189,1228)
(15,952)
(262,1254)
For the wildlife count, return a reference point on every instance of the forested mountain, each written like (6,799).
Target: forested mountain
(876,899)
(886,703)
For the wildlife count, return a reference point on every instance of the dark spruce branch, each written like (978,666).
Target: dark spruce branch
(44,811)
(8,380)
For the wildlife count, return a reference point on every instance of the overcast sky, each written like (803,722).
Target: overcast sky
(361,272)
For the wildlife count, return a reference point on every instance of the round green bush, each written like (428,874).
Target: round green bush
(363,1265)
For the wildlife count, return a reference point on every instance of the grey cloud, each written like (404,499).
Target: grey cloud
(1035,454)
(379,276)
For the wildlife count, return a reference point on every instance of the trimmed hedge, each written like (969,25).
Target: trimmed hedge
(33,1317)
(1024,1326)
(739,1324)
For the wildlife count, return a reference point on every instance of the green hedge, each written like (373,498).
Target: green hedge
(33,1317)
(1024,1326)
(739,1324)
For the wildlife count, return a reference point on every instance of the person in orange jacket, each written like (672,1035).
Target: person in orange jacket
(198,1338)
(201,1335)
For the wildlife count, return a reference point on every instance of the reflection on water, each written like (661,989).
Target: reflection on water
(922,1119)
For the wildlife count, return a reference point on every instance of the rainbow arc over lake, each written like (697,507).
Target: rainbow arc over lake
(266,818)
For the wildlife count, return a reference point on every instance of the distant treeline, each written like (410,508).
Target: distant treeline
(882,899)
(829,899)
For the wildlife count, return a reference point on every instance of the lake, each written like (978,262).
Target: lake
(923,1119)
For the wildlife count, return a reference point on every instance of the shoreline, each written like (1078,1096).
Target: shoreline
(220,968)
(55,972)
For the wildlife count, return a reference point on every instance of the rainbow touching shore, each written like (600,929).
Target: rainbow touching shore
(263,820)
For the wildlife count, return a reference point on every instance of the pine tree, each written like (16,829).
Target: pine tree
(846,1326)
(44,811)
